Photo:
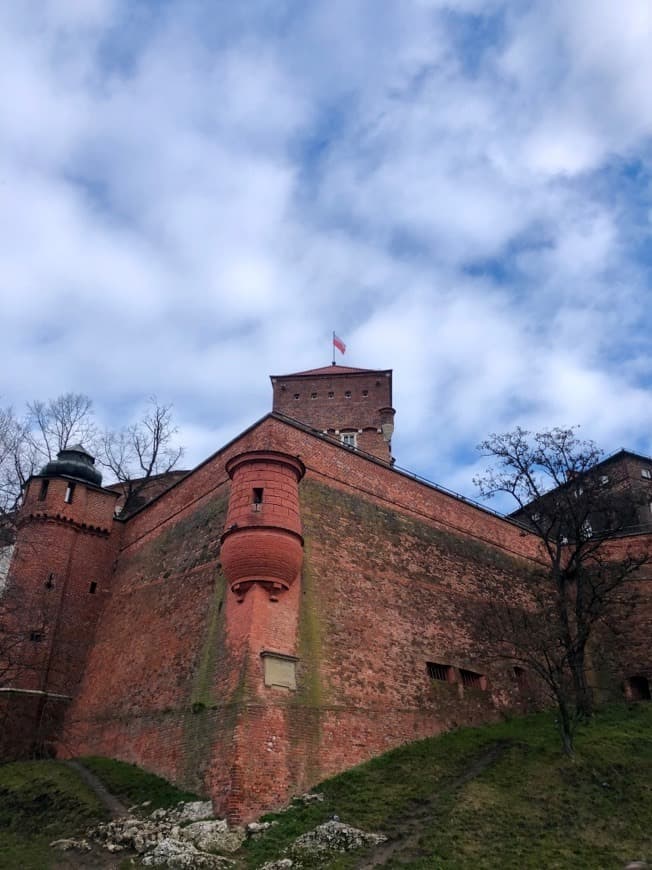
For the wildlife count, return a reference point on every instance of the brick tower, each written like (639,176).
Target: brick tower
(261,556)
(58,581)
(352,405)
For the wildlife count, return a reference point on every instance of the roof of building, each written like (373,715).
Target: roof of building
(332,369)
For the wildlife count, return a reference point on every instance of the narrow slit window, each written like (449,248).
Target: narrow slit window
(36,636)
(49,583)
(257,499)
(44,490)
(70,492)
(92,589)
(442,673)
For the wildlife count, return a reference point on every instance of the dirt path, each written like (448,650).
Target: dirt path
(115,807)
(411,824)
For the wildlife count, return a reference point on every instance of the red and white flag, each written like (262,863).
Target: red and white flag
(338,343)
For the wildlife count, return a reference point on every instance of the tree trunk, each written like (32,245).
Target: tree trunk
(566,729)
(583,692)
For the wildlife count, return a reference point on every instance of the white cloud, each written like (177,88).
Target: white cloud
(195,199)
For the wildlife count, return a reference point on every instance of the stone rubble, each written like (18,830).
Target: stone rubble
(186,836)
(334,837)
(183,836)
(308,850)
(256,829)
(69,844)
(180,854)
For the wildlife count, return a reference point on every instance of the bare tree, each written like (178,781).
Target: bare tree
(18,461)
(137,452)
(58,423)
(27,443)
(584,579)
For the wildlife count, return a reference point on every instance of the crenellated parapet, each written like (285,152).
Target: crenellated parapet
(262,542)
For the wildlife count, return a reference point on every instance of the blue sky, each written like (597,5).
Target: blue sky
(193,195)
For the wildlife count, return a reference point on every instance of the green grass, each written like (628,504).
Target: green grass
(527,807)
(41,801)
(134,786)
(530,808)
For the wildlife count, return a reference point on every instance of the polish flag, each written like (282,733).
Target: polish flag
(339,344)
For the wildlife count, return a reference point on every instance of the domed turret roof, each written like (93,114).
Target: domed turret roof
(74,461)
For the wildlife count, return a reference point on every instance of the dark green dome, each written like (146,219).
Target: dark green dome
(74,462)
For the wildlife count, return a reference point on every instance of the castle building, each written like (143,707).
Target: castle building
(292,606)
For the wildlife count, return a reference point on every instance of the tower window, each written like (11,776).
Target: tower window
(49,583)
(36,636)
(646,473)
(92,589)
(296,395)
(44,490)
(347,394)
(439,672)
(348,439)
(365,393)
(313,395)
(330,394)
(70,491)
(258,495)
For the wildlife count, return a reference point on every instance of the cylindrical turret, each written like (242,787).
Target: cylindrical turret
(262,541)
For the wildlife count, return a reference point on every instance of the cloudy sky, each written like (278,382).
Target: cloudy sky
(193,195)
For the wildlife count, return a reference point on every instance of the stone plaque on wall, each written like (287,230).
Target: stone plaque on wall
(280,670)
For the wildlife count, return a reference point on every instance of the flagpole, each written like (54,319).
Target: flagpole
(333,343)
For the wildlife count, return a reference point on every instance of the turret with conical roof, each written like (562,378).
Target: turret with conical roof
(350,404)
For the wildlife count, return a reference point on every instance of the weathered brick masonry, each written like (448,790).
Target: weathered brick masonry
(288,609)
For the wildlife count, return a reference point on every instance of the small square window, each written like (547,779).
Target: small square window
(646,473)
(348,439)
(365,393)
(313,395)
(347,394)
(296,395)
(604,479)
(331,394)
(36,636)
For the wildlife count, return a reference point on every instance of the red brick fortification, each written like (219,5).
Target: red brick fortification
(262,541)
(58,585)
(262,552)
(341,401)
(240,665)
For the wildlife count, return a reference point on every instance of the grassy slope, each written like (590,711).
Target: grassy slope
(530,808)
(133,786)
(41,801)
